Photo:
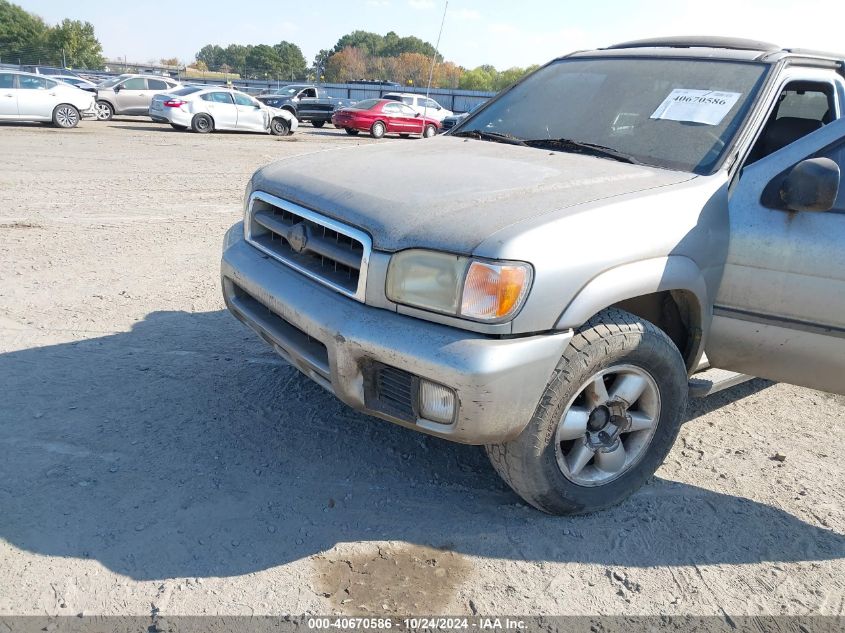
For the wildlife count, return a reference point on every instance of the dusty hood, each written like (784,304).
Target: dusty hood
(448,193)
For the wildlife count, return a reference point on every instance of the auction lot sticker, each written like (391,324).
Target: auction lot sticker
(696,106)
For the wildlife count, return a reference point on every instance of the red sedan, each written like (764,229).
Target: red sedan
(382,116)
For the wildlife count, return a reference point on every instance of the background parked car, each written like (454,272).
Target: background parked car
(451,121)
(130,94)
(78,82)
(31,97)
(209,109)
(383,116)
(420,103)
(306,102)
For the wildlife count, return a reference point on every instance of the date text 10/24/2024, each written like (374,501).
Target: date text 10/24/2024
(415,624)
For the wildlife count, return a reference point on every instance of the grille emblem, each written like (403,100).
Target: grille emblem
(298,237)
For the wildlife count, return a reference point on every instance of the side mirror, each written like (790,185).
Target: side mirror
(417,114)
(118,87)
(812,185)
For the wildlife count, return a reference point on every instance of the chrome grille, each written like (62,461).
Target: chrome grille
(323,249)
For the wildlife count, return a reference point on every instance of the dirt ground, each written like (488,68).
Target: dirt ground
(158,458)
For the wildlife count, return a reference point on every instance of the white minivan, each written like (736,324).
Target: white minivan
(420,103)
(29,97)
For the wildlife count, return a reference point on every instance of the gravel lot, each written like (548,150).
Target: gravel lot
(157,458)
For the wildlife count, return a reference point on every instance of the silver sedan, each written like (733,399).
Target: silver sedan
(207,109)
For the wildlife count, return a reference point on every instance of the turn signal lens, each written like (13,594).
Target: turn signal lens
(494,291)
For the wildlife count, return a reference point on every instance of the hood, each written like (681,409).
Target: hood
(449,193)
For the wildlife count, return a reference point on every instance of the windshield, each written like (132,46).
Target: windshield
(673,113)
(366,104)
(109,83)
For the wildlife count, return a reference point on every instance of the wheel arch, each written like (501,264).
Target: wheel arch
(668,291)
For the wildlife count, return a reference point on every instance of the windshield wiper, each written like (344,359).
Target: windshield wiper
(579,147)
(496,137)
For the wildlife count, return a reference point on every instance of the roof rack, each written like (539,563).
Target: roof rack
(699,41)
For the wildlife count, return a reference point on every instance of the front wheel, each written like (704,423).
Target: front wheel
(66,116)
(279,127)
(606,421)
(318,123)
(104,111)
(429,131)
(377,130)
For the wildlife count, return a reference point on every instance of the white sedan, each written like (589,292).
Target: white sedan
(207,109)
(28,97)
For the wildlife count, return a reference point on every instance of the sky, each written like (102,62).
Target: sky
(504,33)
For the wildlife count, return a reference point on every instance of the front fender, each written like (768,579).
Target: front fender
(674,272)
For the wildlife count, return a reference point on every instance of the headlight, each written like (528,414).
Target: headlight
(466,287)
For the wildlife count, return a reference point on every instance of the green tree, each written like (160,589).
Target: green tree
(292,62)
(212,55)
(480,78)
(23,36)
(263,61)
(234,56)
(367,42)
(75,44)
(320,61)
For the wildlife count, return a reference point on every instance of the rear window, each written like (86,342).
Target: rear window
(367,104)
(183,92)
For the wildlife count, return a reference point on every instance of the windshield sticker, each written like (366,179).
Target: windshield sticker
(696,106)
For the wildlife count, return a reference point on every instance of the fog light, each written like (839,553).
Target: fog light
(437,403)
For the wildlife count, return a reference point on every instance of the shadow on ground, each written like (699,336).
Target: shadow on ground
(184,448)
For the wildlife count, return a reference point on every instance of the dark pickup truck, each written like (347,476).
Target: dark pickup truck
(306,103)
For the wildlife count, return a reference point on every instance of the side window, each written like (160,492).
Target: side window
(802,107)
(28,82)
(243,100)
(217,97)
(392,108)
(408,100)
(408,110)
(308,93)
(51,83)
(136,83)
(431,104)
(7,81)
(157,84)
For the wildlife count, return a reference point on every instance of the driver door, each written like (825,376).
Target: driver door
(779,312)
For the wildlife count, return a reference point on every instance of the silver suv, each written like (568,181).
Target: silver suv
(130,94)
(622,229)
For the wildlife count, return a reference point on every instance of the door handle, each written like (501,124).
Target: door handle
(8,95)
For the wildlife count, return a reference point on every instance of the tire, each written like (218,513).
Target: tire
(176,126)
(429,131)
(65,116)
(378,130)
(351,131)
(105,111)
(279,127)
(202,124)
(318,124)
(612,345)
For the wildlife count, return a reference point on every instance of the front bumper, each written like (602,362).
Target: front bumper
(340,342)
